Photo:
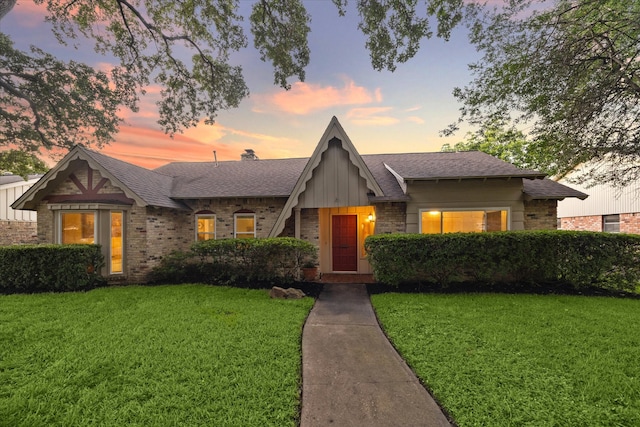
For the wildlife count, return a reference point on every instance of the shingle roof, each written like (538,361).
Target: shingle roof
(451,165)
(166,185)
(153,187)
(548,189)
(276,178)
(249,178)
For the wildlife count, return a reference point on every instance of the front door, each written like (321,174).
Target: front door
(344,242)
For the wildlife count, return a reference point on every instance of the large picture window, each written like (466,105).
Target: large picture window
(245,225)
(205,227)
(78,227)
(463,221)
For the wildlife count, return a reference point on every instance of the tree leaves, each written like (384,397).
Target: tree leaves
(50,103)
(570,75)
(21,163)
(184,47)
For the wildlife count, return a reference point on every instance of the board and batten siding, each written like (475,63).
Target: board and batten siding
(9,193)
(336,182)
(468,195)
(602,200)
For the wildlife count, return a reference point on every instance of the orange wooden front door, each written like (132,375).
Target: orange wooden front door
(344,242)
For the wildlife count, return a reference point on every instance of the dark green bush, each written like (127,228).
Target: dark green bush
(577,259)
(49,268)
(237,261)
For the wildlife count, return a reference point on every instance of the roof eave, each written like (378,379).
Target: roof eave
(469,177)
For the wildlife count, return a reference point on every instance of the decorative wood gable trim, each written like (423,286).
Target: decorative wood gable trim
(30,199)
(90,193)
(334,130)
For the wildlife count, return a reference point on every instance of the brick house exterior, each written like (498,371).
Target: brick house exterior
(334,199)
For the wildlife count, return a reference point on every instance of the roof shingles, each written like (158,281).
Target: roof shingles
(167,185)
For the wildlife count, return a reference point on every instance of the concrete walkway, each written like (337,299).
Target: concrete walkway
(351,374)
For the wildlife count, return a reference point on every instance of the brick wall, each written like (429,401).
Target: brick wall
(391,218)
(18,232)
(310,226)
(629,223)
(266,210)
(582,223)
(45,224)
(540,215)
(151,234)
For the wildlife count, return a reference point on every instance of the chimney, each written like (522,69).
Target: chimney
(248,154)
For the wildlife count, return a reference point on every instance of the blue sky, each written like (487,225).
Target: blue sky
(382,112)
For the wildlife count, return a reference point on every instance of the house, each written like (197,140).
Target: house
(609,208)
(334,199)
(16,226)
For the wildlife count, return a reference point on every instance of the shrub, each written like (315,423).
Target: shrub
(232,261)
(50,268)
(578,259)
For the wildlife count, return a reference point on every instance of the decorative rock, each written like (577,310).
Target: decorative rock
(289,293)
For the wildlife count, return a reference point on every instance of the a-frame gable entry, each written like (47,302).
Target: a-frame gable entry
(334,176)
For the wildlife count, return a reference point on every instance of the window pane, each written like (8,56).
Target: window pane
(464,221)
(611,223)
(432,222)
(245,226)
(496,220)
(116,242)
(206,227)
(78,227)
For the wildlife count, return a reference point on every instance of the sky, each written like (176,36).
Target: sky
(381,111)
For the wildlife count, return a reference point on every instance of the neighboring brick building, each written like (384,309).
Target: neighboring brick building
(334,199)
(16,226)
(608,208)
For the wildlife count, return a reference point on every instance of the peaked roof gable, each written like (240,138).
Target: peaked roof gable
(333,131)
(144,186)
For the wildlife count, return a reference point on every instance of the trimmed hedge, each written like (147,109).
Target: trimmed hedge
(578,259)
(50,268)
(237,261)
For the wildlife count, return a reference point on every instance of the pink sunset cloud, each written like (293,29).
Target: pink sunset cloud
(151,148)
(374,116)
(306,98)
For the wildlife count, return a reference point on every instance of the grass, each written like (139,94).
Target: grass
(521,360)
(147,356)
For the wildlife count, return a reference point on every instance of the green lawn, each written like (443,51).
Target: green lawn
(522,360)
(147,356)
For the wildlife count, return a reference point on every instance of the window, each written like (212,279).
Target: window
(466,221)
(101,226)
(115,266)
(244,225)
(78,227)
(611,223)
(206,227)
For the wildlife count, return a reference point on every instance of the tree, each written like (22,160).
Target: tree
(570,75)
(50,103)
(510,145)
(20,163)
